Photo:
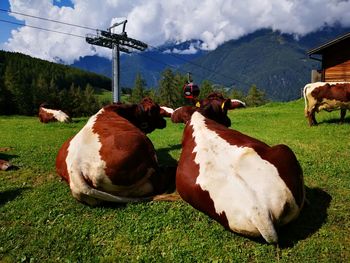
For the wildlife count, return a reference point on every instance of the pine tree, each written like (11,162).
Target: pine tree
(205,89)
(237,94)
(255,97)
(170,90)
(139,91)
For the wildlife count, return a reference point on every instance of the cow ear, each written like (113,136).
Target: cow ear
(226,104)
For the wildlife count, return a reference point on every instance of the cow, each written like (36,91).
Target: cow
(182,114)
(52,115)
(327,96)
(166,111)
(111,158)
(4,165)
(247,186)
(236,104)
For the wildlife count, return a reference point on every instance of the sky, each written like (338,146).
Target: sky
(155,22)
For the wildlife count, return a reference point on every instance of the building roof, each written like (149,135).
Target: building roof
(320,49)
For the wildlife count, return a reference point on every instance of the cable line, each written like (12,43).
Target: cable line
(47,19)
(41,28)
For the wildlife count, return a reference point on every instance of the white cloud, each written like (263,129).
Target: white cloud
(157,21)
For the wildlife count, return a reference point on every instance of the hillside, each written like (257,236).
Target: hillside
(275,62)
(149,63)
(26,82)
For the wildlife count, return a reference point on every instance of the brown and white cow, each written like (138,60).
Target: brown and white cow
(52,115)
(166,111)
(182,114)
(4,165)
(327,96)
(244,184)
(111,158)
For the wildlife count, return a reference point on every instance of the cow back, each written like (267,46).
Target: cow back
(244,186)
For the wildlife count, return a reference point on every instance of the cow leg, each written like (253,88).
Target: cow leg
(311,118)
(342,115)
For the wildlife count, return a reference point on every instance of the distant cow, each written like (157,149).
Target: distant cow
(4,165)
(241,182)
(182,114)
(111,158)
(327,96)
(51,115)
(166,111)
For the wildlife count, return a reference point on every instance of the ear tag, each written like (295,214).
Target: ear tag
(223,105)
(198,104)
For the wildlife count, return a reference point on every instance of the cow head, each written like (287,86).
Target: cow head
(215,107)
(148,116)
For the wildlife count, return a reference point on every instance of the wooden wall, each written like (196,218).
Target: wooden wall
(336,62)
(340,72)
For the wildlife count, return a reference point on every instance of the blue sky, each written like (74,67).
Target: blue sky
(157,21)
(5,28)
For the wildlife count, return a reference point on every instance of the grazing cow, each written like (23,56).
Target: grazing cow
(50,115)
(166,111)
(4,165)
(327,96)
(235,104)
(244,184)
(182,114)
(111,158)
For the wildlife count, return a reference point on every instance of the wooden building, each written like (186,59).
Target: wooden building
(335,58)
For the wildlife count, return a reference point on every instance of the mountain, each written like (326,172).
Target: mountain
(275,62)
(149,63)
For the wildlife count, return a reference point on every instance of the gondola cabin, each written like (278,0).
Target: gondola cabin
(190,90)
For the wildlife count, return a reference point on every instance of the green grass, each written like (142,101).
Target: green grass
(106,96)
(41,222)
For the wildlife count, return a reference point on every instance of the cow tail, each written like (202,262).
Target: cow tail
(306,101)
(82,191)
(264,224)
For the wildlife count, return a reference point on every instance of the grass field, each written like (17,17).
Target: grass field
(41,222)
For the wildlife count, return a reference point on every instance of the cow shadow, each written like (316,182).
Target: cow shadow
(164,157)
(11,194)
(334,121)
(311,218)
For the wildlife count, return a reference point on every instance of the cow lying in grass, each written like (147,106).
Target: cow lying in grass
(111,158)
(4,165)
(184,113)
(241,182)
(51,115)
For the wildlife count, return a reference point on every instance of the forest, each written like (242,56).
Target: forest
(27,82)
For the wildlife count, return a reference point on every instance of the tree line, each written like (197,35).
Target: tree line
(27,82)
(170,91)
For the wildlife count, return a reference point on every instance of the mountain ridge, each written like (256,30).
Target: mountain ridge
(273,61)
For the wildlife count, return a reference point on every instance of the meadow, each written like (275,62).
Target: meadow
(41,222)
